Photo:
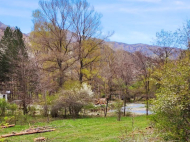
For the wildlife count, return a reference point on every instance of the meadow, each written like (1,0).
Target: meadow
(94,129)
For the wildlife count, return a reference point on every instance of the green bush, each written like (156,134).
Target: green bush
(13,108)
(3,106)
(117,106)
(171,107)
(32,110)
(7,120)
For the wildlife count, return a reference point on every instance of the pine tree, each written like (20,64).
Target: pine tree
(15,67)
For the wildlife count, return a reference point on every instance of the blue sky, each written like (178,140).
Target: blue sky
(133,21)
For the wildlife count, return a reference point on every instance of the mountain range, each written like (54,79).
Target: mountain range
(145,48)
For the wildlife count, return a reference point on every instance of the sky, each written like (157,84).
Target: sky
(132,21)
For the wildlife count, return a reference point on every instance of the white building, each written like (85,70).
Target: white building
(3,96)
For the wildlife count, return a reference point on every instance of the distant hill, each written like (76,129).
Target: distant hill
(3,27)
(145,48)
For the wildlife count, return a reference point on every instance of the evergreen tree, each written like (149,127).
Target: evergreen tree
(15,67)
(5,44)
(11,45)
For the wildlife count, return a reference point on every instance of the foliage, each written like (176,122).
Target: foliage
(11,45)
(64,47)
(3,106)
(32,110)
(2,139)
(16,71)
(117,106)
(136,89)
(46,101)
(171,106)
(13,108)
(7,120)
(73,99)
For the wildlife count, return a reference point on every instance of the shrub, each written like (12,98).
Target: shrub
(7,120)
(3,106)
(13,108)
(172,104)
(32,110)
(73,99)
(117,106)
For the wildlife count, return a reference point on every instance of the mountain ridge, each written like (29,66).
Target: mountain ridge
(145,48)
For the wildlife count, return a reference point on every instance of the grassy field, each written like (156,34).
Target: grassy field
(81,130)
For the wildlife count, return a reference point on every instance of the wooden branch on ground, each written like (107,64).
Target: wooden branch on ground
(40,139)
(32,131)
(12,125)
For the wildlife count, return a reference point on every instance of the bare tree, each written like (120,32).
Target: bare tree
(167,43)
(183,35)
(108,74)
(145,68)
(124,71)
(51,38)
(66,31)
(87,28)
(165,53)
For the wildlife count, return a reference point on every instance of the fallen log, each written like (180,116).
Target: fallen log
(40,139)
(26,133)
(12,125)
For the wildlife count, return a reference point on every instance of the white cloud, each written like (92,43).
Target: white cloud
(130,10)
(15,12)
(18,8)
(150,1)
(179,2)
(157,9)
(153,1)
(20,3)
(107,7)
(132,37)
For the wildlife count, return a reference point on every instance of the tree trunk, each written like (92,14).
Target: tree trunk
(65,112)
(106,109)
(25,111)
(81,74)
(147,97)
(124,104)
(45,106)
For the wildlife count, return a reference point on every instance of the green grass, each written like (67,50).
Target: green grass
(82,130)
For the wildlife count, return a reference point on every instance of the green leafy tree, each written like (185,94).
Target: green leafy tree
(118,104)
(171,105)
